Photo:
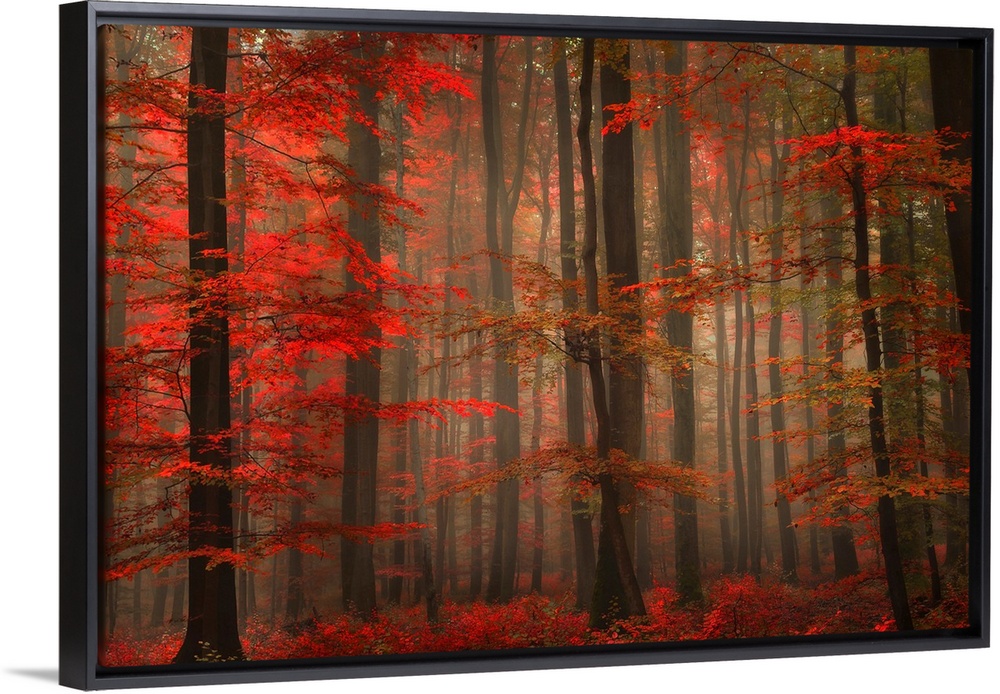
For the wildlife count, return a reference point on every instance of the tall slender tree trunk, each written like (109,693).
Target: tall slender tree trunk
(538,506)
(810,420)
(755,483)
(424,552)
(476,457)
(116,318)
(503,204)
(582,519)
(952,71)
(921,414)
(211,621)
(295,599)
(956,523)
(721,366)
(951,94)
(676,252)
(736,183)
(445,507)
(616,589)
(361,433)
(845,554)
(243,400)
(401,389)
(779,449)
(895,578)
(294,594)
(754,476)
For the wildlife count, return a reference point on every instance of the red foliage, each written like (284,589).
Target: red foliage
(736,607)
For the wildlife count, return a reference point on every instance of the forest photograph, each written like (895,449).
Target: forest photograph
(423,343)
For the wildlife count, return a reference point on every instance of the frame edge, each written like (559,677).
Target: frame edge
(77,345)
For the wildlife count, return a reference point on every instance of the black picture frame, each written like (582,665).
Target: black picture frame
(81,342)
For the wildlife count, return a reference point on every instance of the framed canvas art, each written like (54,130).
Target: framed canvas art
(415,342)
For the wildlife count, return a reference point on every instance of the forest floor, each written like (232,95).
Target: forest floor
(734,607)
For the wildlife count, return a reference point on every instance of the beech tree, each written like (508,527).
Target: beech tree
(211,617)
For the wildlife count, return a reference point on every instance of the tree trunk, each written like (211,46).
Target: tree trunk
(211,621)
(921,416)
(721,365)
(582,519)
(779,166)
(294,594)
(295,599)
(895,578)
(428,586)
(806,352)
(361,433)
(616,590)
(845,555)
(116,321)
(736,184)
(243,400)
(952,79)
(677,249)
(475,458)
(500,203)
(755,482)
(538,541)
(161,590)
(401,392)
(178,601)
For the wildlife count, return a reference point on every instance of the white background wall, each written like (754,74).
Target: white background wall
(29,381)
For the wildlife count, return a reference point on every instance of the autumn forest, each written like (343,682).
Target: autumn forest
(430,342)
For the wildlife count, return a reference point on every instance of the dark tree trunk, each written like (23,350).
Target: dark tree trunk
(616,589)
(361,433)
(721,366)
(956,523)
(475,458)
(538,506)
(452,536)
(952,94)
(445,505)
(211,621)
(755,482)
(779,449)
(806,352)
(921,414)
(442,509)
(754,476)
(722,452)
(242,402)
(890,115)
(294,595)
(401,392)
(582,519)
(116,319)
(952,75)
(677,248)
(161,590)
(137,602)
(295,599)
(845,554)
(177,603)
(501,203)
(423,554)
(736,183)
(895,578)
